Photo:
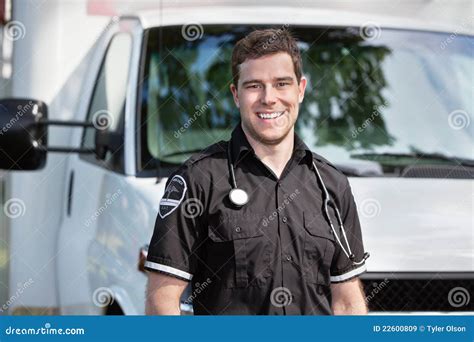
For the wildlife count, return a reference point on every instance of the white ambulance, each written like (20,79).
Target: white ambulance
(389,102)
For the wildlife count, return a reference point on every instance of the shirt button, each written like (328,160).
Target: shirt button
(238,229)
(288,257)
(284,219)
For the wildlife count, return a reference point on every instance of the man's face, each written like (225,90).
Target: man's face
(268,96)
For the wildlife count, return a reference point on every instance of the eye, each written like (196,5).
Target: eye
(253,86)
(282,84)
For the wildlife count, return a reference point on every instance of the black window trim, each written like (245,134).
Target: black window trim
(90,158)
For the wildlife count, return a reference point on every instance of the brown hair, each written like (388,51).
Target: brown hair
(260,43)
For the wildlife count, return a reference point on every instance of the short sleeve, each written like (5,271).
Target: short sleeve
(172,247)
(342,268)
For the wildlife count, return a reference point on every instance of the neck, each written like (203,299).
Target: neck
(274,156)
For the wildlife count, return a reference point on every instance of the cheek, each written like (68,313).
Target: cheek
(291,99)
(248,101)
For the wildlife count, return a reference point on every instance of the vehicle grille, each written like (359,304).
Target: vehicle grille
(419,294)
(439,171)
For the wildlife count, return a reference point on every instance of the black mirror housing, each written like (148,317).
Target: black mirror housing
(23,137)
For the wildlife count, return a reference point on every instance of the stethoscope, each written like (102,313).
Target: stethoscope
(239,198)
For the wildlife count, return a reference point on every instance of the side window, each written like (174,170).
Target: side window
(107,106)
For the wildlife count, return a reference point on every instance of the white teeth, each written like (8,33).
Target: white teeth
(269,115)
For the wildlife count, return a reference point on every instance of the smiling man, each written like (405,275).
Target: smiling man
(262,241)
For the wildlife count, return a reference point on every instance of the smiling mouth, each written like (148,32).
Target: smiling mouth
(269,115)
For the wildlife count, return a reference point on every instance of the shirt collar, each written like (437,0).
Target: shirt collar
(241,147)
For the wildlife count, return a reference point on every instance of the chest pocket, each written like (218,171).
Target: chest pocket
(319,249)
(238,250)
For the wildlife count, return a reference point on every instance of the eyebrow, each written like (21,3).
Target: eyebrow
(278,79)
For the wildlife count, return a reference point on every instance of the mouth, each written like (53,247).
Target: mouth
(269,115)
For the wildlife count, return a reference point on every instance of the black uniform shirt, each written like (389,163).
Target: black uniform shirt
(275,255)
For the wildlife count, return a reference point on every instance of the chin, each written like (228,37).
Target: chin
(271,139)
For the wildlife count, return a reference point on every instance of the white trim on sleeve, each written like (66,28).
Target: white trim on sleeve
(349,274)
(168,269)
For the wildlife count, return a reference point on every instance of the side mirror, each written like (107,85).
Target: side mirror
(23,138)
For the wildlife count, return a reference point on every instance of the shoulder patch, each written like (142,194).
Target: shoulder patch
(173,196)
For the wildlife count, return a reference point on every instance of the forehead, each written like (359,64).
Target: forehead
(267,67)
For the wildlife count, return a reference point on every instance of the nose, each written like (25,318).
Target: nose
(268,96)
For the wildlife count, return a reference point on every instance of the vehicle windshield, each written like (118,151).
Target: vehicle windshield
(373,104)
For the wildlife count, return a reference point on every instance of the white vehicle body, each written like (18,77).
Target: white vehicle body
(102,218)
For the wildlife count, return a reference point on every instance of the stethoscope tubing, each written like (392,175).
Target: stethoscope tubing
(327,202)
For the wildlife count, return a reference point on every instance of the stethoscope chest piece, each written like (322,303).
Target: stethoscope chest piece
(238,197)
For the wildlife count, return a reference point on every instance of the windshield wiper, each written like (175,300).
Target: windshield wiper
(353,169)
(438,157)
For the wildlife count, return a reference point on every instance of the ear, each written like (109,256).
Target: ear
(235,95)
(301,88)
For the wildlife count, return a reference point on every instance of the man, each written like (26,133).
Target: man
(276,254)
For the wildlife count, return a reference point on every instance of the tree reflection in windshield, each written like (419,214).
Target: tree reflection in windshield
(345,88)
(387,95)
